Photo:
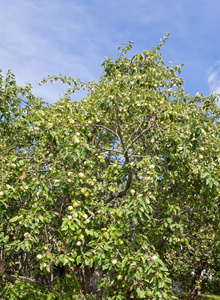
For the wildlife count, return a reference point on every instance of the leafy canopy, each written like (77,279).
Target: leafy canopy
(114,196)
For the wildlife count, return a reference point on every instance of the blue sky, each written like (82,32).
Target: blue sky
(73,37)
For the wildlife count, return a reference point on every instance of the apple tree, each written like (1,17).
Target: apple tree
(111,197)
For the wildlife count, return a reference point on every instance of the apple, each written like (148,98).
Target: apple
(203,132)
(151,167)
(83,190)
(75,215)
(81,175)
(75,140)
(70,207)
(201,149)
(195,171)
(82,236)
(121,242)
(201,156)
(1,194)
(69,217)
(114,261)
(75,204)
(132,192)
(39,256)
(154,257)
(119,277)
(78,243)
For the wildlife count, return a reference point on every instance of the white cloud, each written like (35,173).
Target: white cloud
(47,37)
(214,79)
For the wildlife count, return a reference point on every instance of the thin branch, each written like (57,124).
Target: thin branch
(113,150)
(137,137)
(115,133)
(21,277)
(136,131)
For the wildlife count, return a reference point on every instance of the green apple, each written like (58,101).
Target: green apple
(81,175)
(195,171)
(119,277)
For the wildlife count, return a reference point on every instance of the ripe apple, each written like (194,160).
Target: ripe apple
(39,256)
(70,207)
(78,243)
(119,277)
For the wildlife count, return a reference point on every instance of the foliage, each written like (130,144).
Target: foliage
(115,196)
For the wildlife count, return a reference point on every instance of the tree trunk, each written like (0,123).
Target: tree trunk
(91,281)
